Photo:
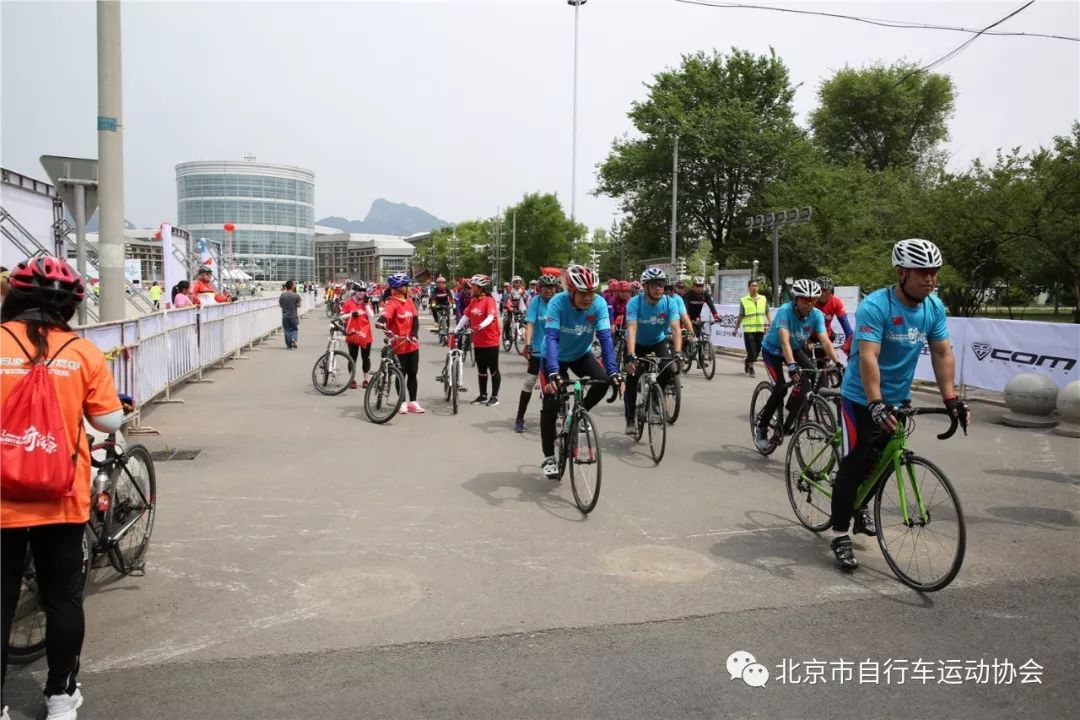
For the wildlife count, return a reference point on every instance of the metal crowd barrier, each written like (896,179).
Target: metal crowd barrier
(153,354)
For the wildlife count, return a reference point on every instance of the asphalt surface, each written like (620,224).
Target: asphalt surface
(310,564)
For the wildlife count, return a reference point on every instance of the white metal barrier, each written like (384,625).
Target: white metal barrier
(151,355)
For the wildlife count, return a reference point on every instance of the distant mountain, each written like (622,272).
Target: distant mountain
(388,218)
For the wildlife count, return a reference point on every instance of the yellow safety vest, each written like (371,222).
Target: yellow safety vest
(754,316)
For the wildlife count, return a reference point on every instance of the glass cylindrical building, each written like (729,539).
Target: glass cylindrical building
(272,207)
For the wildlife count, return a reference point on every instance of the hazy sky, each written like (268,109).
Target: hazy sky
(459,107)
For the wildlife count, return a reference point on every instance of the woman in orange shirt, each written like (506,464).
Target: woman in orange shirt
(44,294)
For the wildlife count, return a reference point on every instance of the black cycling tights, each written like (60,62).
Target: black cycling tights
(58,559)
(487,365)
(586,366)
(410,365)
(364,351)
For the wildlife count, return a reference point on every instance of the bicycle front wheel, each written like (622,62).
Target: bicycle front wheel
(707,359)
(757,405)
(384,395)
(657,422)
(333,372)
(132,506)
(455,385)
(920,526)
(822,414)
(584,461)
(811,463)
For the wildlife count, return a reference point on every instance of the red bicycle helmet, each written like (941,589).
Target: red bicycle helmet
(47,279)
(580,277)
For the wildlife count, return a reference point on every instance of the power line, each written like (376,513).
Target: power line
(901,24)
(963,46)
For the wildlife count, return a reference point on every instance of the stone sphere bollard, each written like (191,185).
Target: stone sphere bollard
(1031,398)
(1068,407)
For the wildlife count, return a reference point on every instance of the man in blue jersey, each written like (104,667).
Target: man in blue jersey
(783,347)
(891,327)
(535,315)
(651,318)
(573,318)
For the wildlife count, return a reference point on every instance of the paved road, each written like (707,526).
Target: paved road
(310,564)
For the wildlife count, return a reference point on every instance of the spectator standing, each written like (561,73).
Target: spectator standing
(155,295)
(290,314)
(754,317)
(180,295)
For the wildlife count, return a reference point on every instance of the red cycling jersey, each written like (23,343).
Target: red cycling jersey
(399,316)
(479,308)
(833,307)
(358,328)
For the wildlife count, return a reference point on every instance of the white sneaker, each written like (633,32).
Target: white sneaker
(63,706)
(550,467)
(404,409)
(414,407)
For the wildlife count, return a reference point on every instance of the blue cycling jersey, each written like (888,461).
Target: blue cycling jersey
(902,331)
(653,321)
(801,330)
(536,315)
(576,327)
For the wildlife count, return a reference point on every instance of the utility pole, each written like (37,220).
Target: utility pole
(773,221)
(674,197)
(110,125)
(513,247)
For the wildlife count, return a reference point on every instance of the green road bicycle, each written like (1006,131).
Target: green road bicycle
(577,443)
(920,526)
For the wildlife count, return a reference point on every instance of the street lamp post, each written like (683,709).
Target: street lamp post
(674,197)
(573,134)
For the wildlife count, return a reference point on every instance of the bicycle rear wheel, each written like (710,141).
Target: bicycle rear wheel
(673,398)
(455,385)
(333,372)
(809,468)
(657,422)
(384,395)
(132,506)
(926,551)
(584,461)
(757,405)
(707,358)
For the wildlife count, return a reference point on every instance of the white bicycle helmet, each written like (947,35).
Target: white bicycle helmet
(916,253)
(482,281)
(581,278)
(698,280)
(653,275)
(516,279)
(805,288)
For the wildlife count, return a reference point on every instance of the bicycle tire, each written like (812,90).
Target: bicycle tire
(517,339)
(26,639)
(821,413)
(321,373)
(756,407)
(656,419)
(131,493)
(561,444)
(639,412)
(708,367)
(579,481)
(384,395)
(802,495)
(673,398)
(447,379)
(455,384)
(887,549)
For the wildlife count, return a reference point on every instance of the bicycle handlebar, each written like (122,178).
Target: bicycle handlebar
(954,421)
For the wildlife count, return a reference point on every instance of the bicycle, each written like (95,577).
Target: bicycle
(700,349)
(452,370)
(123,499)
(811,407)
(673,395)
(386,386)
(512,329)
(649,407)
(911,511)
(333,308)
(576,439)
(519,331)
(443,315)
(335,369)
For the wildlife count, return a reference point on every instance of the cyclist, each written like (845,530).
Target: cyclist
(573,317)
(462,297)
(44,294)
(754,317)
(358,336)
(672,290)
(832,307)
(617,302)
(514,303)
(482,316)
(892,324)
(399,317)
(441,298)
(533,291)
(534,343)
(795,323)
(650,319)
(696,298)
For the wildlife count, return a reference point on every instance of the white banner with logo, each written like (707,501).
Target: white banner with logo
(957,332)
(997,350)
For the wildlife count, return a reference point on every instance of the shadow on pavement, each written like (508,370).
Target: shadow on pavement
(531,487)
(1033,515)
(1056,477)
(746,457)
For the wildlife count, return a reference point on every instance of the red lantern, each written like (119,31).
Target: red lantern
(229,227)
(157,235)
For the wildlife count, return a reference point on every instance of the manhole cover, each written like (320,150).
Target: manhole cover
(166,455)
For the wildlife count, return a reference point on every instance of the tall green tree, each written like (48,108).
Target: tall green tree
(883,116)
(735,123)
(543,234)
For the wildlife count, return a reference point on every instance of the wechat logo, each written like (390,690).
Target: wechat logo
(742,665)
